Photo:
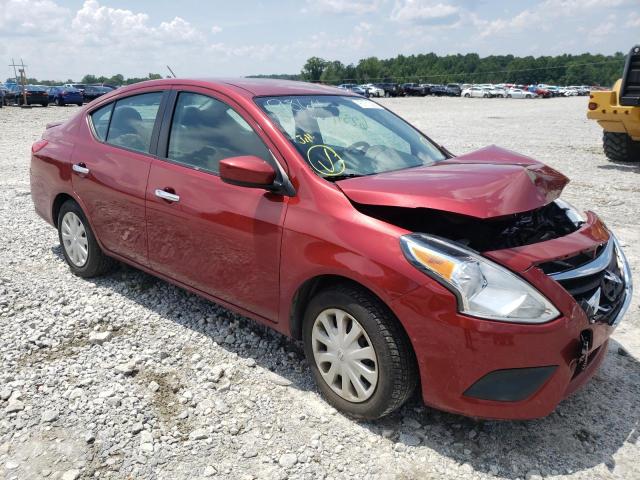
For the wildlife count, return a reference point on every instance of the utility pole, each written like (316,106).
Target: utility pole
(23,78)
(174,75)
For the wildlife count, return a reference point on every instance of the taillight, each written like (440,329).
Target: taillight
(39,145)
(593,106)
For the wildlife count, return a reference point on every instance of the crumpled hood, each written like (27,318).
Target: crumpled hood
(490,182)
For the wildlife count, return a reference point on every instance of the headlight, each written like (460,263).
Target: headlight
(572,212)
(483,288)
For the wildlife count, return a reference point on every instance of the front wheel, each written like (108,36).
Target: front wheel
(619,147)
(359,355)
(79,245)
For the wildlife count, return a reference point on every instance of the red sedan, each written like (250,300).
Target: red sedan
(327,217)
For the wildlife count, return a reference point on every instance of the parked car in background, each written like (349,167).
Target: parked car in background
(438,90)
(3,92)
(396,264)
(454,90)
(35,95)
(360,91)
(105,85)
(373,90)
(519,93)
(79,86)
(539,91)
(91,93)
(347,86)
(476,92)
(62,96)
(497,92)
(414,90)
(390,89)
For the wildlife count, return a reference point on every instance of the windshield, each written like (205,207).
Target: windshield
(348,136)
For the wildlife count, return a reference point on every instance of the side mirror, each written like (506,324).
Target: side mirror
(247,171)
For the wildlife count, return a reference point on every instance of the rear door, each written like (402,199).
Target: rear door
(110,169)
(221,239)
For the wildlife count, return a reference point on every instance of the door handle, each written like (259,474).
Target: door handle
(80,168)
(170,197)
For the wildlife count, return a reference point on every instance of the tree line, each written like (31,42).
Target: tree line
(584,69)
(115,80)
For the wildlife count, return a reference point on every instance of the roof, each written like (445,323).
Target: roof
(254,86)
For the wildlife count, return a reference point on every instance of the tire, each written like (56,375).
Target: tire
(619,147)
(45,104)
(466,95)
(96,262)
(59,102)
(395,366)
(79,104)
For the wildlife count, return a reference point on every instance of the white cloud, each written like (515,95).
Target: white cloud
(29,17)
(105,25)
(216,29)
(424,11)
(344,6)
(633,21)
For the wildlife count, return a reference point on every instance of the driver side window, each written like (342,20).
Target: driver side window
(205,130)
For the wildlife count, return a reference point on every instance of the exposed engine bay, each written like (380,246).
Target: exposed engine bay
(515,230)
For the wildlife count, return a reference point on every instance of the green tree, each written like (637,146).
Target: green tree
(312,70)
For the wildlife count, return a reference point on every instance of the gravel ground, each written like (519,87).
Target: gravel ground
(129,377)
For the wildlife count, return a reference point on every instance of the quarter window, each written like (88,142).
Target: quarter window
(132,121)
(100,120)
(205,130)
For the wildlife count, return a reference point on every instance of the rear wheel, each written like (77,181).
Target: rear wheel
(619,147)
(360,357)
(59,102)
(79,245)
(466,95)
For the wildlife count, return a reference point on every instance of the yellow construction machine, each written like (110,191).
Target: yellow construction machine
(618,112)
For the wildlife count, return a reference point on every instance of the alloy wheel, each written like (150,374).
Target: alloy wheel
(344,355)
(74,239)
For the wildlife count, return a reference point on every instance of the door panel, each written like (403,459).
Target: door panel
(111,170)
(221,239)
(218,238)
(113,195)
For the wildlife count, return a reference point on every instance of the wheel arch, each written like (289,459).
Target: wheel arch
(311,286)
(57,205)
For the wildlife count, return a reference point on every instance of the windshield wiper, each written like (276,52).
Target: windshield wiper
(343,176)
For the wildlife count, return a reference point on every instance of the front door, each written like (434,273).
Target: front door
(221,239)
(110,170)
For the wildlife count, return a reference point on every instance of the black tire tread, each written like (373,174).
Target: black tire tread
(619,147)
(401,352)
(98,263)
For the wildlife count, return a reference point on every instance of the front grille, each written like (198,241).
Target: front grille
(595,280)
(630,90)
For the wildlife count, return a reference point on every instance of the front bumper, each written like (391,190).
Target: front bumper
(499,370)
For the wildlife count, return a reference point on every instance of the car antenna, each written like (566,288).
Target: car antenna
(169,68)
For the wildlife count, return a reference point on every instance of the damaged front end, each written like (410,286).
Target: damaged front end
(550,221)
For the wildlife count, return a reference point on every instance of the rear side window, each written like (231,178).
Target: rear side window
(100,120)
(132,121)
(205,130)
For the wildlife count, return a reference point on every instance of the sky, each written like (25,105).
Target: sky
(66,39)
